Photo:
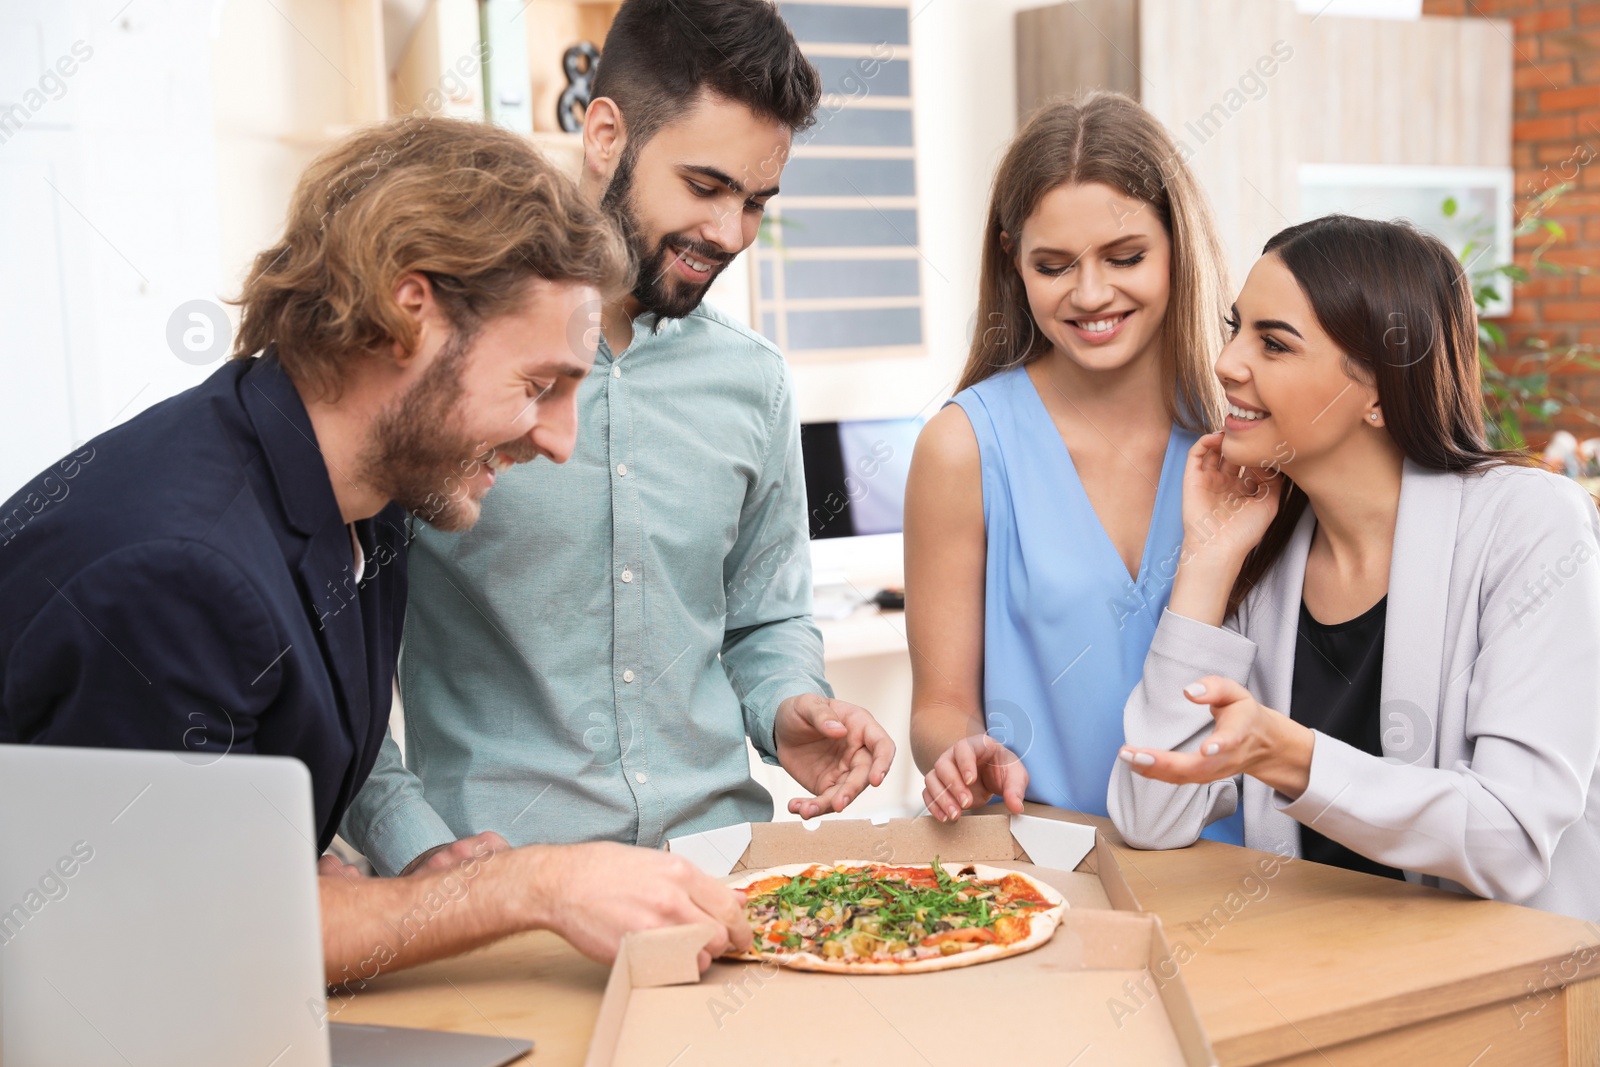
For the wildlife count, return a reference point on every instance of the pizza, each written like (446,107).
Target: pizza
(855,917)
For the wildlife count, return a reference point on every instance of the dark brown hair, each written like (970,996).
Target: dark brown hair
(1105,137)
(660,55)
(474,207)
(1399,306)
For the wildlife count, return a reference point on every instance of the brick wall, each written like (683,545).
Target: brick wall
(1555,136)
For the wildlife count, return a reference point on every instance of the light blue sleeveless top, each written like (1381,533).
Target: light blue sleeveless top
(1065,630)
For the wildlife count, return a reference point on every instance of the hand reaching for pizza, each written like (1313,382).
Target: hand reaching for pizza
(594,893)
(833,748)
(970,772)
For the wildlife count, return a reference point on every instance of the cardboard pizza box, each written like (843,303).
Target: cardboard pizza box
(1104,990)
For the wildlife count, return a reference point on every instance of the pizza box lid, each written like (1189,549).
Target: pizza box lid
(1051,843)
(1106,981)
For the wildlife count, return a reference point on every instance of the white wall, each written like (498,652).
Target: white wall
(110,205)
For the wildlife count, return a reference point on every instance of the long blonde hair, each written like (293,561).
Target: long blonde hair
(1105,137)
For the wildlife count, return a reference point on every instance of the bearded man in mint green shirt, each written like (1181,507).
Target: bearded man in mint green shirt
(586,662)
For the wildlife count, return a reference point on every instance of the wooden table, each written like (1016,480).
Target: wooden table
(1304,965)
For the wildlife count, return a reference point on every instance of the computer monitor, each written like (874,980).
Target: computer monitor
(855,497)
(856,475)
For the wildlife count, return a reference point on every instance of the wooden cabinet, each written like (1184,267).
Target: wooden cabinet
(441,71)
(552,27)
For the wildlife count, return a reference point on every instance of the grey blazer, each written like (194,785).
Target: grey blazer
(1491,700)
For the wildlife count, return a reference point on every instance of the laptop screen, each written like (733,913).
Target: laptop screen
(856,475)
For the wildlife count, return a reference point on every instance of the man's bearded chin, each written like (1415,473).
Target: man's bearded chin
(417,456)
(656,288)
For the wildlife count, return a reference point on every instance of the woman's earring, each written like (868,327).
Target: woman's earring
(1373,416)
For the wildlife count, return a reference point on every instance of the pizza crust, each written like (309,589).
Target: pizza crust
(1040,929)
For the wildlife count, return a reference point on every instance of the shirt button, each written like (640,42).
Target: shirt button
(627,676)
(627,575)
(616,370)
(622,470)
(641,777)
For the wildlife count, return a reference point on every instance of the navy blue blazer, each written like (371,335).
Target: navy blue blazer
(185,581)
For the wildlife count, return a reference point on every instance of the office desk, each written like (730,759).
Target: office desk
(1309,965)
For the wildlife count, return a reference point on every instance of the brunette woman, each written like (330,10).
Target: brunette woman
(1388,656)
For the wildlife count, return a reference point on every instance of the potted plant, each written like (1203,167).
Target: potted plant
(1521,389)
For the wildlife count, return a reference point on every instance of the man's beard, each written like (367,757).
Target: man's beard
(417,455)
(669,297)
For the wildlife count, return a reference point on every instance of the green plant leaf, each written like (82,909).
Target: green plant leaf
(1511,401)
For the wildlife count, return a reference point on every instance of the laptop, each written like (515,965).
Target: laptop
(161,907)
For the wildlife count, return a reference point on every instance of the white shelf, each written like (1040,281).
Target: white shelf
(868,632)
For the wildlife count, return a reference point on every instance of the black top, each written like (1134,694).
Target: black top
(1337,691)
(184,581)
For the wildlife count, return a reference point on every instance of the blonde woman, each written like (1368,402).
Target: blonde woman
(1043,511)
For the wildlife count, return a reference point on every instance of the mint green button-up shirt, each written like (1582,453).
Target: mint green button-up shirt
(585,663)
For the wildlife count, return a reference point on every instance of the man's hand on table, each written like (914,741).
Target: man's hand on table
(593,894)
(477,891)
(832,748)
(970,772)
(454,853)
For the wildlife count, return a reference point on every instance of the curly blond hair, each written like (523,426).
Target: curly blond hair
(474,207)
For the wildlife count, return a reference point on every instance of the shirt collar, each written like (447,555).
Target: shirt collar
(647,327)
(289,443)
(359,552)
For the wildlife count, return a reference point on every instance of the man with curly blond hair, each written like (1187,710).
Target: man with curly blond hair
(229,575)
